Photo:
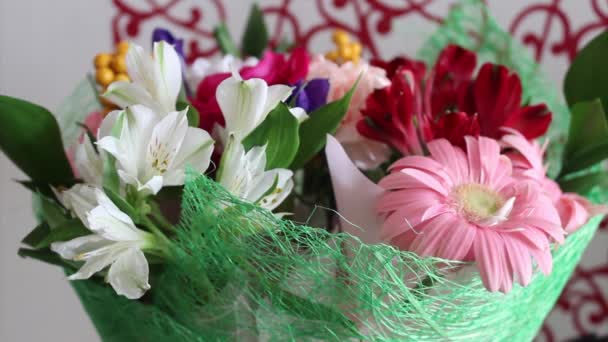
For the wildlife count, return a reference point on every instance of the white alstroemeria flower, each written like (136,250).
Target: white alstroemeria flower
(88,162)
(246,103)
(80,199)
(243,175)
(203,67)
(117,243)
(152,152)
(156,81)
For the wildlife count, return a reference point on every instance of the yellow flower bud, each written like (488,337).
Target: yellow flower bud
(102,60)
(122,77)
(104,76)
(122,47)
(357,49)
(119,64)
(332,55)
(345,51)
(340,37)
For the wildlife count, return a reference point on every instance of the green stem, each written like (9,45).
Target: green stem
(160,218)
(159,234)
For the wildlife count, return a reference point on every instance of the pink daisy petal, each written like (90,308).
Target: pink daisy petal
(487,212)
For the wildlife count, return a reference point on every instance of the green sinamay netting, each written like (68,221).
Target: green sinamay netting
(238,273)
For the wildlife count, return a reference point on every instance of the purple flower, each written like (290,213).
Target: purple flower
(161,34)
(312,94)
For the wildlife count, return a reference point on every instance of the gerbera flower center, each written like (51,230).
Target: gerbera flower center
(477,201)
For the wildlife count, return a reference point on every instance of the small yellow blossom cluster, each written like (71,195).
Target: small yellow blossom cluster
(346,50)
(111,67)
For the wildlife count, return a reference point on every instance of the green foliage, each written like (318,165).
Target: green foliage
(583,184)
(120,202)
(36,235)
(255,38)
(279,132)
(191,114)
(68,230)
(224,40)
(30,137)
(314,130)
(587,77)
(52,213)
(588,139)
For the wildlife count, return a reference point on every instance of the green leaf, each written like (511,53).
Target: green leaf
(588,137)
(279,132)
(45,255)
(192,113)
(255,38)
(69,230)
(52,213)
(583,184)
(120,202)
(224,40)
(29,135)
(36,235)
(110,174)
(314,130)
(587,76)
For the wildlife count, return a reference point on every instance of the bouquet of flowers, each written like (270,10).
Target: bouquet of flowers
(454,194)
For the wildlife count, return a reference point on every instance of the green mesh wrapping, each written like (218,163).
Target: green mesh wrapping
(238,273)
(470,25)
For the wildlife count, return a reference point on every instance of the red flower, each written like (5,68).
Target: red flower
(389,113)
(448,102)
(455,126)
(497,94)
(451,79)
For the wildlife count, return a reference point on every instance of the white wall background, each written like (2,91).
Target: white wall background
(46,47)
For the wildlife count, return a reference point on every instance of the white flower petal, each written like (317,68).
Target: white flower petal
(124,94)
(96,263)
(299,113)
(165,142)
(282,190)
(276,93)
(195,152)
(111,223)
(168,72)
(108,123)
(128,275)
(80,199)
(80,245)
(242,104)
(152,186)
(140,67)
(88,162)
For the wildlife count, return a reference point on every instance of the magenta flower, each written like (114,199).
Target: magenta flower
(470,206)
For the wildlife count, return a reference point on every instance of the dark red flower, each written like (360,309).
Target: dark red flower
(497,94)
(389,114)
(451,79)
(455,126)
(448,102)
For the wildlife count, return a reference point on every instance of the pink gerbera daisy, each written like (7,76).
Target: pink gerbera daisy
(469,206)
